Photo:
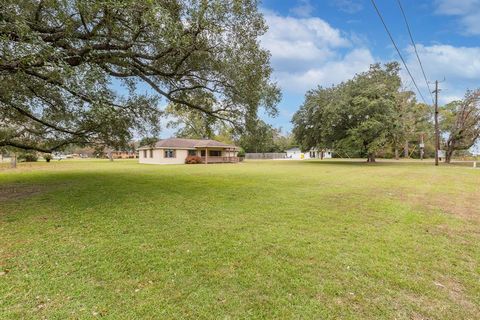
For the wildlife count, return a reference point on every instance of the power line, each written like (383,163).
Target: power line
(398,50)
(415,48)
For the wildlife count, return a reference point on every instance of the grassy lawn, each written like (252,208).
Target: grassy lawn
(273,239)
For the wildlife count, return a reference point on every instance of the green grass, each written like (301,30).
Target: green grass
(273,239)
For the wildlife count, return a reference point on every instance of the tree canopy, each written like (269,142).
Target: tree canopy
(261,137)
(361,116)
(460,123)
(65,63)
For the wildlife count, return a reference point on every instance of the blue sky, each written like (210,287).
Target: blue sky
(324,42)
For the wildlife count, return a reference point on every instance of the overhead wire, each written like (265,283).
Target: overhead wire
(398,50)
(415,49)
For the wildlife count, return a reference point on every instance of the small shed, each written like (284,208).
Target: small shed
(294,153)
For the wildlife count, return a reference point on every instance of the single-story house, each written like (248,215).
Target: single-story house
(294,153)
(314,153)
(176,150)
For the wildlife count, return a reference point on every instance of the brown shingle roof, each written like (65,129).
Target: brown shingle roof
(189,143)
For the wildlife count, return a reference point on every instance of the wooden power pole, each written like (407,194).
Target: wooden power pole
(437,130)
(422,147)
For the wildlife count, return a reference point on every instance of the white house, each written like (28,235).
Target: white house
(294,153)
(175,151)
(314,153)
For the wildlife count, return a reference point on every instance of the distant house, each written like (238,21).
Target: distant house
(314,153)
(128,152)
(294,153)
(176,150)
(123,154)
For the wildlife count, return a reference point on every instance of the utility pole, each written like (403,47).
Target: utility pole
(437,131)
(422,147)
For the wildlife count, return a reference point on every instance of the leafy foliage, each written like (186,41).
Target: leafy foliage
(193,160)
(60,60)
(262,137)
(191,124)
(28,156)
(361,116)
(147,141)
(460,122)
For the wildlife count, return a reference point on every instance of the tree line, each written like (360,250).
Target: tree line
(373,115)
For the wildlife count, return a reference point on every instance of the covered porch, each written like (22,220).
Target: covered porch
(218,155)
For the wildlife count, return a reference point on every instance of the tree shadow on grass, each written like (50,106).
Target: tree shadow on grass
(87,191)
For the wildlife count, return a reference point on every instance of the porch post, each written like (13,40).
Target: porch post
(206,156)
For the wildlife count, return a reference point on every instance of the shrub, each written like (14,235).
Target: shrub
(193,160)
(47,157)
(28,157)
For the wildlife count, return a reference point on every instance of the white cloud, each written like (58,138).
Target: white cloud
(468,12)
(348,6)
(460,66)
(457,62)
(330,73)
(305,31)
(456,7)
(304,9)
(307,52)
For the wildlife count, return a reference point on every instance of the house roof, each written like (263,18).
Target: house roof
(293,149)
(180,143)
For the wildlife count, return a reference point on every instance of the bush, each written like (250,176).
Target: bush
(193,160)
(47,157)
(28,157)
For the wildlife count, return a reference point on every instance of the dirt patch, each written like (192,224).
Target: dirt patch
(465,206)
(10,192)
(456,293)
(22,191)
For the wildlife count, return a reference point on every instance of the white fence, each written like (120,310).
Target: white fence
(268,155)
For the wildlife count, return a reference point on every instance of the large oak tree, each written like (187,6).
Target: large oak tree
(65,63)
(360,116)
(460,123)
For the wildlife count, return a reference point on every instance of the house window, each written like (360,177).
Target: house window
(144,153)
(214,153)
(169,153)
(192,152)
(151,153)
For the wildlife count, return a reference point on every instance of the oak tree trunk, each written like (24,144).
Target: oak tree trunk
(448,155)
